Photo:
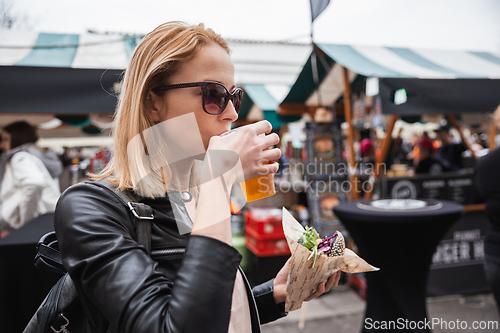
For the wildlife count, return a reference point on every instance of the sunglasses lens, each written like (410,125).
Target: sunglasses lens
(214,98)
(238,94)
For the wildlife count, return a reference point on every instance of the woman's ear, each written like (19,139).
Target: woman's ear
(154,105)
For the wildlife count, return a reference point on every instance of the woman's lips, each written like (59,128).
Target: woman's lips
(228,132)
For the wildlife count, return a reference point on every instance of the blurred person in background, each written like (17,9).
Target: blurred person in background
(427,163)
(29,177)
(449,154)
(479,145)
(367,150)
(412,148)
(405,149)
(488,186)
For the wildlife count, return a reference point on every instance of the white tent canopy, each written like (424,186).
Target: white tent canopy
(436,81)
(79,74)
(255,62)
(42,74)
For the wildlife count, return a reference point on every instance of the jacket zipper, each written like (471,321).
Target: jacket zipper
(167,252)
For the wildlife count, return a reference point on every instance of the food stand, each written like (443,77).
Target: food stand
(446,82)
(62,71)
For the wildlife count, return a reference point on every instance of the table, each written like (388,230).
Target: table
(401,243)
(23,287)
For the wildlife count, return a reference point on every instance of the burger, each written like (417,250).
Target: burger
(332,246)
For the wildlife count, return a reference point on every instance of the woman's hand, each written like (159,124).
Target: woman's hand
(231,158)
(279,284)
(251,149)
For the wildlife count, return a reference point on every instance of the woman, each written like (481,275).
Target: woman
(29,177)
(178,97)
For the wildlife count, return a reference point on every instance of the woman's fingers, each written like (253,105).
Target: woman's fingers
(271,154)
(270,140)
(265,169)
(251,148)
(332,281)
(262,126)
(338,278)
(319,291)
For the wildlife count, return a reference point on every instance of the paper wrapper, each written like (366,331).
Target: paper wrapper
(303,279)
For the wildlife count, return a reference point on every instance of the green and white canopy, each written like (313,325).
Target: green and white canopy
(79,73)
(262,101)
(435,81)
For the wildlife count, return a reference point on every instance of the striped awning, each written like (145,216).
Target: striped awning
(65,50)
(435,81)
(262,101)
(61,73)
(79,73)
(393,62)
(328,73)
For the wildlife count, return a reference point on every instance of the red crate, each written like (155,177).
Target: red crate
(357,282)
(265,222)
(265,246)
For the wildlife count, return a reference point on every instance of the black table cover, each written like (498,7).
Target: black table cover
(401,243)
(23,287)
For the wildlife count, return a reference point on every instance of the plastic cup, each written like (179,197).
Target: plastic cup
(259,187)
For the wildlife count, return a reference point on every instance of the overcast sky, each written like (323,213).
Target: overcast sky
(448,24)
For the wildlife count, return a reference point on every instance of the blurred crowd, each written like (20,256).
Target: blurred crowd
(32,178)
(425,153)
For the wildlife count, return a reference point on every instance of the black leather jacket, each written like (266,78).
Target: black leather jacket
(185,286)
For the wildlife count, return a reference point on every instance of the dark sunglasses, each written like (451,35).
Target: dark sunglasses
(215,95)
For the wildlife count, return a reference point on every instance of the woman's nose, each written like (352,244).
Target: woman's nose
(230,112)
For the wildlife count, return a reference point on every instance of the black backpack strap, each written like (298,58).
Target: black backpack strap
(142,213)
(47,255)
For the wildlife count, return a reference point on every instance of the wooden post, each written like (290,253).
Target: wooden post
(384,150)
(453,120)
(350,133)
(474,208)
(493,133)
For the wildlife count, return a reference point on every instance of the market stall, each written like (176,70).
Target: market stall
(409,83)
(79,74)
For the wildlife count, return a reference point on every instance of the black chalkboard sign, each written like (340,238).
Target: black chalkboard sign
(456,187)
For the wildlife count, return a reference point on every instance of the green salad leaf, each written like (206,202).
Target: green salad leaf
(310,239)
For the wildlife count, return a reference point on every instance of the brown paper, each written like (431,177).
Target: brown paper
(303,279)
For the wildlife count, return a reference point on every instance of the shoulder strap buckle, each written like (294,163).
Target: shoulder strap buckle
(145,212)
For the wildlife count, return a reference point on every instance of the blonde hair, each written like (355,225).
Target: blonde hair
(155,59)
